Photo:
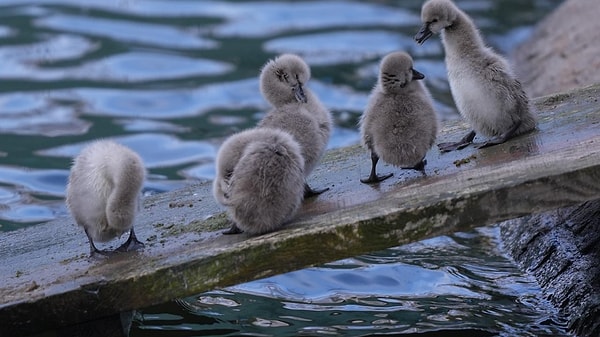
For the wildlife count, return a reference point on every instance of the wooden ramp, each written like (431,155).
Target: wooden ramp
(48,281)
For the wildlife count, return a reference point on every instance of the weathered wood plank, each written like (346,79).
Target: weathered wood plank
(48,281)
(561,248)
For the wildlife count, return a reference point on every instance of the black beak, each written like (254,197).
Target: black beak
(299,93)
(423,34)
(417,75)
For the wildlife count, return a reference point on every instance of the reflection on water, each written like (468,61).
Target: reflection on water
(457,283)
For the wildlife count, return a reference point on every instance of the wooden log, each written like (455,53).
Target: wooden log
(561,248)
(49,282)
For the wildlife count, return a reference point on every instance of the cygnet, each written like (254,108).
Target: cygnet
(296,109)
(103,193)
(399,124)
(228,157)
(259,179)
(483,86)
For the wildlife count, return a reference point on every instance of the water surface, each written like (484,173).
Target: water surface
(458,285)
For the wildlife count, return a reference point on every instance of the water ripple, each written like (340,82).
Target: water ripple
(166,150)
(147,66)
(25,114)
(25,61)
(44,181)
(6,31)
(446,284)
(180,103)
(268,18)
(340,47)
(151,34)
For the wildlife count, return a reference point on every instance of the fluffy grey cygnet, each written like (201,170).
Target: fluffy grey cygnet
(484,88)
(399,124)
(103,193)
(296,109)
(228,157)
(260,179)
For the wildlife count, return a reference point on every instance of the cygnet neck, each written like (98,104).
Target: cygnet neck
(126,183)
(462,37)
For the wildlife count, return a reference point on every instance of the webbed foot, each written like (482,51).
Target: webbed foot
(309,192)
(491,142)
(131,244)
(501,138)
(234,229)
(94,251)
(375,178)
(419,167)
(461,144)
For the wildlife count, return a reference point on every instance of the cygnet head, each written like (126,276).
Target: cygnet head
(282,80)
(396,72)
(436,15)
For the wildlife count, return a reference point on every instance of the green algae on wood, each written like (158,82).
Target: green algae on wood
(49,282)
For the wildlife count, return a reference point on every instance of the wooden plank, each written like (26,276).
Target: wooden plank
(48,281)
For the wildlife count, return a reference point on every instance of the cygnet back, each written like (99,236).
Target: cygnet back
(297,121)
(265,188)
(104,189)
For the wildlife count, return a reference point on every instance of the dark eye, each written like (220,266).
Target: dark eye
(387,77)
(281,75)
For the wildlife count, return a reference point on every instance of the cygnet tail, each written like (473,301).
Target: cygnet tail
(267,184)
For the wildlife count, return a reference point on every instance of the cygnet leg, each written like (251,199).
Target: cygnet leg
(309,192)
(233,230)
(461,144)
(94,252)
(419,167)
(132,243)
(502,138)
(373,177)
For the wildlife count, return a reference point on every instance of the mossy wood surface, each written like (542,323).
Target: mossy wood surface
(49,281)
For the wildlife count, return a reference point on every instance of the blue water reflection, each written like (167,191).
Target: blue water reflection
(269,18)
(137,66)
(27,61)
(457,283)
(151,34)
(343,47)
(165,151)
(46,181)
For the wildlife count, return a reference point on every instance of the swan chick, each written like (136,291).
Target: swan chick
(103,193)
(399,123)
(483,86)
(259,179)
(296,109)
(228,157)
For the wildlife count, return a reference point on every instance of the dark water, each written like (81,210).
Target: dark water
(172,78)
(457,285)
